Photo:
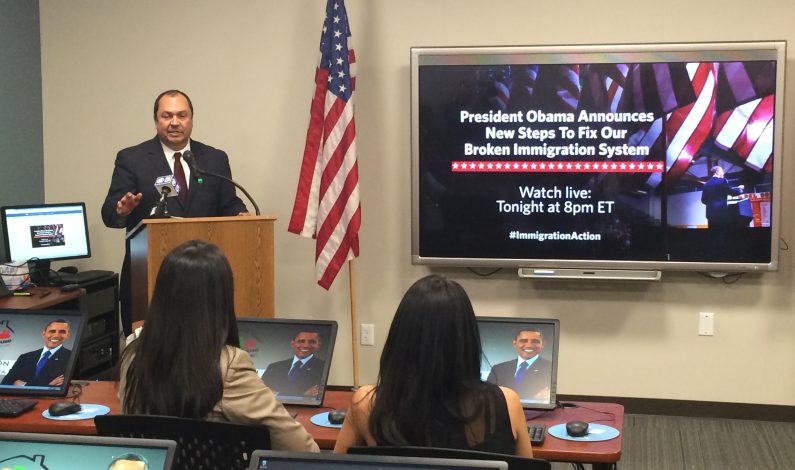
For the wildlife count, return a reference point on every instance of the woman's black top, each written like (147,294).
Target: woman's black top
(488,428)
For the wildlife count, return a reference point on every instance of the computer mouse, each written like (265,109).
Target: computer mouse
(336,416)
(63,408)
(576,428)
(70,287)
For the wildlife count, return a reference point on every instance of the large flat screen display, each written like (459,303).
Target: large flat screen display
(655,156)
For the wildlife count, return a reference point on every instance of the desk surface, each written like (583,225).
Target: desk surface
(40,298)
(554,449)
(102,393)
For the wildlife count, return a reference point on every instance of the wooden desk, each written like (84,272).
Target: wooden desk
(106,393)
(40,298)
(101,393)
(560,450)
(553,449)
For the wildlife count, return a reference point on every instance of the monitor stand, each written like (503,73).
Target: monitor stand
(39,271)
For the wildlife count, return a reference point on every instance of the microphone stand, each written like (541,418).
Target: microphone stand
(200,173)
(160,211)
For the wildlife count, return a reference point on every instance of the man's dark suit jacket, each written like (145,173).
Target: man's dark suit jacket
(714,197)
(135,171)
(275,376)
(25,368)
(533,381)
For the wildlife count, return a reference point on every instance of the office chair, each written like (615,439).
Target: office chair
(514,462)
(200,444)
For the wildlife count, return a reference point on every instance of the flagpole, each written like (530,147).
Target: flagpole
(354,348)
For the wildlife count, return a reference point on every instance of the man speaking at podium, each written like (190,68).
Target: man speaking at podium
(132,193)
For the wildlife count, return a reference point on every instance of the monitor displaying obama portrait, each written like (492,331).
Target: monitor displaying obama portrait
(293,357)
(521,354)
(38,351)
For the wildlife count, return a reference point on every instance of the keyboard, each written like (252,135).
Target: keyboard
(536,432)
(15,406)
(80,277)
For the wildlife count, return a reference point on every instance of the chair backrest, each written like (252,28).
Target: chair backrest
(200,444)
(514,462)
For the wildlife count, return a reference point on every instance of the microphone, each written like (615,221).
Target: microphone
(198,173)
(194,169)
(168,187)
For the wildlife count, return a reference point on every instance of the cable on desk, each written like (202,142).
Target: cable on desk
(17,264)
(77,390)
(575,405)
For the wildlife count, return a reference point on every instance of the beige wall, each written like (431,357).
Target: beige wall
(248,65)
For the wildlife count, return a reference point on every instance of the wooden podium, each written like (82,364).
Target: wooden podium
(247,242)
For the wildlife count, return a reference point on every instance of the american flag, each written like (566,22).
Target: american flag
(658,88)
(744,121)
(327,199)
(685,94)
(748,130)
(569,88)
(688,127)
(501,79)
(614,84)
(526,78)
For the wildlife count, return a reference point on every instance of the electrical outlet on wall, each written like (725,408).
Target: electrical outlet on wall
(367,334)
(706,324)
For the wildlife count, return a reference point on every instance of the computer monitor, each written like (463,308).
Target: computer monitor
(281,460)
(23,335)
(40,233)
(275,345)
(504,341)
(68,452)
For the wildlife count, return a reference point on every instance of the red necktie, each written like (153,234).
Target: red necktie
(179,173)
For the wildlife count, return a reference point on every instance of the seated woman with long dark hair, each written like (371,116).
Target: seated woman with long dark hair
(187,362)
(429,392)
